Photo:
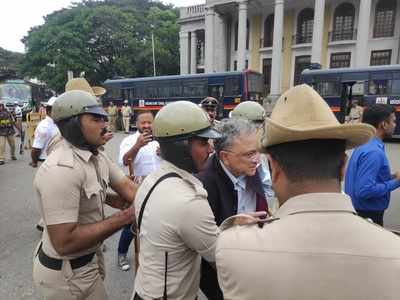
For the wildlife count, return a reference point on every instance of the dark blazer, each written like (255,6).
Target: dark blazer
(223,200)
(222,195)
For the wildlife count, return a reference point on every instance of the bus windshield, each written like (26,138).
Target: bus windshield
(12,92)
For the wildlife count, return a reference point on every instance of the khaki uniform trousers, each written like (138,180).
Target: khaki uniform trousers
(11,141)
(125,120)
(112,121)
(85,283)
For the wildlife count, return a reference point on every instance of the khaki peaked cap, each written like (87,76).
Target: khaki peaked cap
(81,84)
(301,114)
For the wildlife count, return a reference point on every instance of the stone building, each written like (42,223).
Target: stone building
(280,38)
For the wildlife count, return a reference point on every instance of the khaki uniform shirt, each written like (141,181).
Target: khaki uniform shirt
(126,111)
(317,249)
(177,219)
(112,110)
(6,123)
(69,190)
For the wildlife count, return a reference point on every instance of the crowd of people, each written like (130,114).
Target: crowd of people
(247,207)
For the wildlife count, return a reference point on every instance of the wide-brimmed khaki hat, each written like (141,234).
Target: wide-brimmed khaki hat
(301,114)
(81,84)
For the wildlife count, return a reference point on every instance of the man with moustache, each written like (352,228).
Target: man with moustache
(72,185)
(233,182)
(139,152)
(210,105)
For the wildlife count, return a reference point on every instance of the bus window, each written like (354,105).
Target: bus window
(379,86)
(358,88)
(140,91)
(175,89)
(232,86)
(327,88)
(396,87)
(255,83)
(163,91)
(194,88)
(151,91)
(113,93)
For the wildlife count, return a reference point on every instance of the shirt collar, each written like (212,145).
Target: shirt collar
(378,142)
(316,202)
(83,154)
(238,182)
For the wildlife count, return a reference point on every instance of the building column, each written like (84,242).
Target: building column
(209,40)
(184,51)
(193,52)
(277,50)
(319,12)
(242,29)
(362,52)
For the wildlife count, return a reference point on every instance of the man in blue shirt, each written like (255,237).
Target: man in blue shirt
(368,178)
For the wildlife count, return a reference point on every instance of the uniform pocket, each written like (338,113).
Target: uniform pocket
(91,189)
(82,282)
(92,197)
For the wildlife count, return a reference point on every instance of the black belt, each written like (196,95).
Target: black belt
(56,264)
(137,297)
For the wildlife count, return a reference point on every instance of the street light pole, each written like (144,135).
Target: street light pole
(152,44)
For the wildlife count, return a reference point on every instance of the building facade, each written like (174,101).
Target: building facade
(280,38)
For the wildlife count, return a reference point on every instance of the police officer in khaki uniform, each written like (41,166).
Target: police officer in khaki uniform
(72,187)
(7,123)
(126,115)
(210,105)
(112,111)
(175,222)
(316,247)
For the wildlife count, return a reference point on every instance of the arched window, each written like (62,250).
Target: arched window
(385,17)
(268,31)
(305,23)
(343,22)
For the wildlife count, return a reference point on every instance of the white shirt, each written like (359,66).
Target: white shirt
(45,130)
(146,160)
(247,199)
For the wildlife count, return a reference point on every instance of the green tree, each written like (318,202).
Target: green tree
(103,39)
(9,63)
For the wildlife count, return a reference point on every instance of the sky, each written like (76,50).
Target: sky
(18,16)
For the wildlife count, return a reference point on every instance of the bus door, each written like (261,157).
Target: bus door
(217,91)
(345,99)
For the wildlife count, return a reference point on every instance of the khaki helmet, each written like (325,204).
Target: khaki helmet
(249,110)
(74,103)
(182,119)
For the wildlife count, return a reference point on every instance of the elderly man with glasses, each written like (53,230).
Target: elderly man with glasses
(233,182)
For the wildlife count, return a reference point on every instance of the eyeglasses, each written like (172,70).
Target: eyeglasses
(250,155)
